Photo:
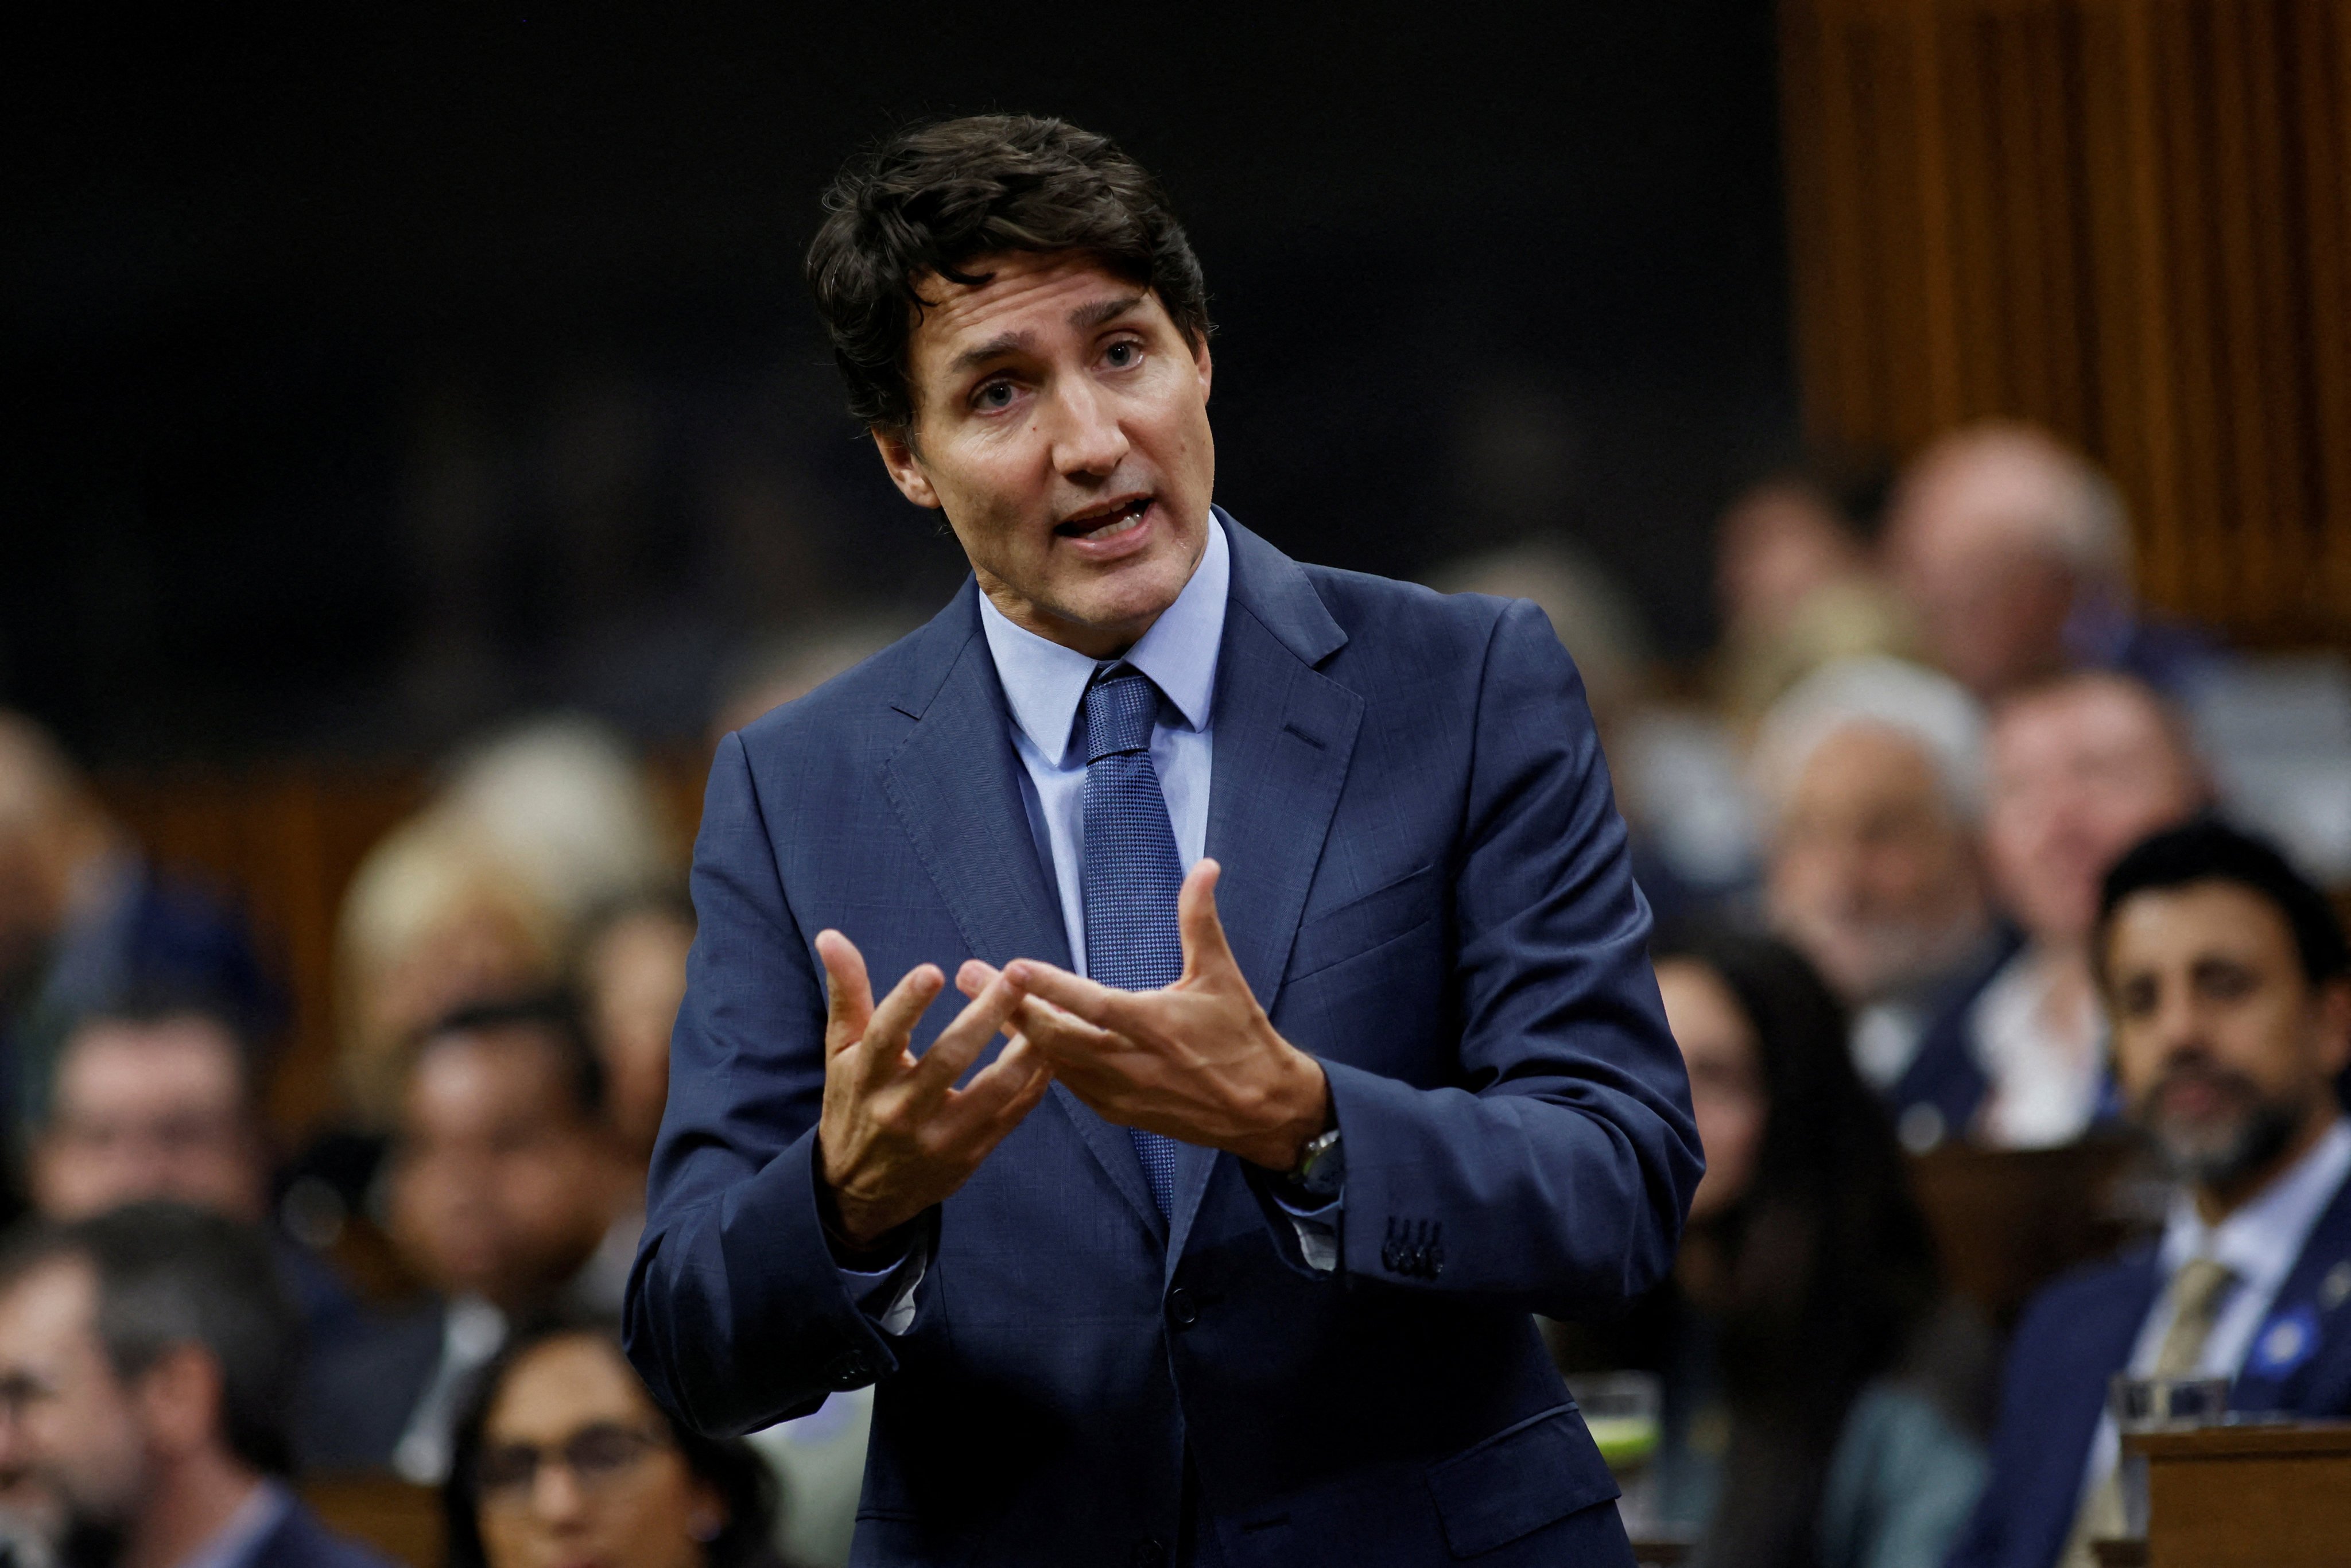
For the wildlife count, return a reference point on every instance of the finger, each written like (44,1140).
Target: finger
(1059,1032)
(848,993)
(973,977)
(1020,1070)
(894,1021)
(960,1043)
(1203,931)
(1102,1006)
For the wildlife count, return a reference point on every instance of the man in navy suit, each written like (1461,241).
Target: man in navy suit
(1298,898)
(147,1362)
(2227,981)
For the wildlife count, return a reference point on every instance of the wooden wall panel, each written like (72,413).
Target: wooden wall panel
(2124,219)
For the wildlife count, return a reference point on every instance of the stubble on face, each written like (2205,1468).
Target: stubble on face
(1062,426)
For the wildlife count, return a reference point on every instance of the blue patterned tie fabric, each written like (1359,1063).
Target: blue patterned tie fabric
(1132,870)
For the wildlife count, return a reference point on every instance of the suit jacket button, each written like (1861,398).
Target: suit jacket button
(1148,1554)
(1183,1308)
(848,1370)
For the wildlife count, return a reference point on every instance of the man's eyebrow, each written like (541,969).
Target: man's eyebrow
(1086,316)
(994,349)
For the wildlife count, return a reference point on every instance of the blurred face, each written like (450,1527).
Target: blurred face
(73,1454)
(2225,1052)
(2079,775)
(1965,550)
(578,1471)
(502,1186)
(480,952)
(637,978)
(150,1110)
(1725,1074)
(1778,544)
(1061,424)
(1871,873)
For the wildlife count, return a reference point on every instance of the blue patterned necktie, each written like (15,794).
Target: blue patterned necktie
(1132,870)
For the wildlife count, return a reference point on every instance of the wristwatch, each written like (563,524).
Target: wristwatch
(1321,1167)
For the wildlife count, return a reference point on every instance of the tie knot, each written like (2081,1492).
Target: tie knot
(1120,707)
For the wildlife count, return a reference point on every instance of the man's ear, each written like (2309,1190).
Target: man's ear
(1204,365)
(898,456)
(2333,1005)
(179,1400)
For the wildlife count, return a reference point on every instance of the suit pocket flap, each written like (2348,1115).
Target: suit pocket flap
(1358,926)
(1518,1481)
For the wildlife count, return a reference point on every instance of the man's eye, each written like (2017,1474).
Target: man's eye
(994,395)
(1122,353)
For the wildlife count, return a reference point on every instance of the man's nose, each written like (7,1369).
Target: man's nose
(1087,439)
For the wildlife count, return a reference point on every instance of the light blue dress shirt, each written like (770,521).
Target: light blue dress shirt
(1043,685)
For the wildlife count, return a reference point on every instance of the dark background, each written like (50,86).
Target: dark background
(373,377)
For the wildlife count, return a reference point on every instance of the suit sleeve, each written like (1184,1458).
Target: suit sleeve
(736,1316)
(1557,1171)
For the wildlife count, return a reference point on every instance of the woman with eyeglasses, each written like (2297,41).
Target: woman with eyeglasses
(564,1461)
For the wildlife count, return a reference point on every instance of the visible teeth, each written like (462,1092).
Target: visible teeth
(1117,523)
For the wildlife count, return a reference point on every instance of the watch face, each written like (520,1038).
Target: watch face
(1325,1165)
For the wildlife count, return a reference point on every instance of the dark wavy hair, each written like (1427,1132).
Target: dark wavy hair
(936,196)
(727,1464)
(1829,1267)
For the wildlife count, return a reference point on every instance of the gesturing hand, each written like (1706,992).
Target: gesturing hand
(1198,1061)
(896,1136)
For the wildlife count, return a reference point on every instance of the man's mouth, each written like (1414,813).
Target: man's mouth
(1107,522)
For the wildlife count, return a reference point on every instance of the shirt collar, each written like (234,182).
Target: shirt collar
(232,1545)
(2261,1241)
(1044,682)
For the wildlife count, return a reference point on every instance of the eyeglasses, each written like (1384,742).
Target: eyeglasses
(597,1456)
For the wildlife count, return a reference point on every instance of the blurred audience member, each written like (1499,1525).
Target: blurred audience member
(2082,768)
(147,1364)
(1813,1412)
(2014,551)
(504,1185)
(630,975)
(2229,987)
(1795,589)
(1872,773)
(85,921)
(789,668)
(1595,618)
(564,1461)
(162,1099)
(433,922)
(564,805)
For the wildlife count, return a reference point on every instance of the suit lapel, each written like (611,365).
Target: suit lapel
(952,784)
(1284,735)
(2306,1321)
(954,787)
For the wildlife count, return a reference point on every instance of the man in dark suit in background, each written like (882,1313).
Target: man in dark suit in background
(2229,987)
(148,1363)
(1299,897)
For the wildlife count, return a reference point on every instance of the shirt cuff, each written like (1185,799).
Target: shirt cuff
(1317,1227)
(887,1296)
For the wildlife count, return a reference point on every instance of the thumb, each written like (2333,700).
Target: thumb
(849,993)
(1206,951)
